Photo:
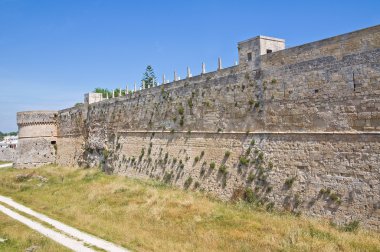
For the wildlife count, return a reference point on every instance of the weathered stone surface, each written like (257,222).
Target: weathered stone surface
(8,154)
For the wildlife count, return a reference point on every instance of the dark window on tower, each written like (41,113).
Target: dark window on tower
(269,51)
(249,55)
(53,142)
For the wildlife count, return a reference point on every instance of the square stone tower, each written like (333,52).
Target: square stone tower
(92,98)
(250,50)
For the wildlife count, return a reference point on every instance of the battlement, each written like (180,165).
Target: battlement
(36,117)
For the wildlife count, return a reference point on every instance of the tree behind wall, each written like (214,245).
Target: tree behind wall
(149,78)
(104,92)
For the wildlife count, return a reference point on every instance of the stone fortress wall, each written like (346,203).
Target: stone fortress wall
(37,138)
(300,127)
(8,154)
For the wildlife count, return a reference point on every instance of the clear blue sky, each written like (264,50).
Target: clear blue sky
(52,52)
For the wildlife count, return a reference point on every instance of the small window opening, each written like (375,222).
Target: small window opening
(53,142)
(269,51)
(249,56)
(353,80)
(316,91)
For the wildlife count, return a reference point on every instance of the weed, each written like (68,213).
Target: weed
(197,185)
(212,165)
(243,161)
(351,226)
(270,207)
(188,182)
(227,154)
(223,169)
(249,195)
(290,181)
(251,177)
(181,110)
(190,103)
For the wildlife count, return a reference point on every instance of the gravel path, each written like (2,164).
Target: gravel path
(70,237)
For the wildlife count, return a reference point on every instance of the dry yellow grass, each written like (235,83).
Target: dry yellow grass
(149,216)
(19,237)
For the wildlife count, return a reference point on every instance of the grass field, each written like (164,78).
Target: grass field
(147,215)
(19,237)
(4,162)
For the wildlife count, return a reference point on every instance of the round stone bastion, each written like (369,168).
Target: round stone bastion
(37,138)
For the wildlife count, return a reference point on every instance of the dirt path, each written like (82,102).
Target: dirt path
(6,165)
(68,236)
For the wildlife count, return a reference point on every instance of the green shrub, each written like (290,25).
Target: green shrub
(223,169)
(188,182)
(202,153)
(181,121)
(248,151)
(196,159)
(190,103)
(196,185)
(181,110)
(249,195)
(212,165)
(105,153)
(227,154)
(252,142)
(270,165)
(351,226)
(251,177)
(270,206)
(167,177)
(273,81)
(243,161)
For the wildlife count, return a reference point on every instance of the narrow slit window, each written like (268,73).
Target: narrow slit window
(249,56)
(269,51)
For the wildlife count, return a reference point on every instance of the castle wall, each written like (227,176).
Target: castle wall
(37,138)
(71,126)
(312,110)
(8,154)
(344,164)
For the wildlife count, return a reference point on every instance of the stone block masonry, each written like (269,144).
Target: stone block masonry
(297,127)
